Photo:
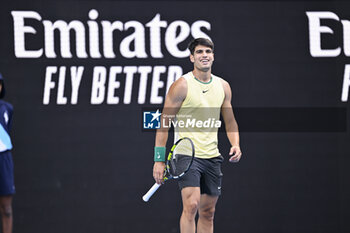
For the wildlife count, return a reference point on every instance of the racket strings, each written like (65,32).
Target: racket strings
(181,158)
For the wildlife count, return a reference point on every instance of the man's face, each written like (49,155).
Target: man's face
(202,58)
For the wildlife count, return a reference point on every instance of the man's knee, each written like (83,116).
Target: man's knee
(207,213)
(191,207)
(190,200)
(6,211)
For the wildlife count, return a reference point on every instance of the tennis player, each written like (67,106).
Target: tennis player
(7,187)
(190,94)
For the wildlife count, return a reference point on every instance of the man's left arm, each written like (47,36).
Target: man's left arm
(231,125)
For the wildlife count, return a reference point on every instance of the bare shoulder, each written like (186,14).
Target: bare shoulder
(178,90)
(225,85)
(180,83)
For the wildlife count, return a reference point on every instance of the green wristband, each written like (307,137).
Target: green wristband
(159,154)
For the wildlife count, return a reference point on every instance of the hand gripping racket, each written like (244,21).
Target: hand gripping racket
(179,161)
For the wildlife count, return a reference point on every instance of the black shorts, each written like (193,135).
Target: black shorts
(206,174)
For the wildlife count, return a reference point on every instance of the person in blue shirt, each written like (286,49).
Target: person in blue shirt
(7,187)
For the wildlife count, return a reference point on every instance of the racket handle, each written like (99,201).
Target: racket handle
(150,192)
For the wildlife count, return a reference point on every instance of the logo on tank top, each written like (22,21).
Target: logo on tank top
(6,117)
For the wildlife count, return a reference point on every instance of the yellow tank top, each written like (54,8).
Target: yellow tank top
(200,113)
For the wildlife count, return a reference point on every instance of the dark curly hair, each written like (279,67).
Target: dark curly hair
(200,41)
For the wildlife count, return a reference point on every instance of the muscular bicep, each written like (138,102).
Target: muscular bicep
(173,101)
(226,108)
(175,97)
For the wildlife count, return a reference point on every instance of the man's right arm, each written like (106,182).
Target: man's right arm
(173,101)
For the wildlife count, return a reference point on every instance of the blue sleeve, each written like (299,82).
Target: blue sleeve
(6,111)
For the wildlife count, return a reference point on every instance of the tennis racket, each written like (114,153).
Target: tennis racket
(179,161)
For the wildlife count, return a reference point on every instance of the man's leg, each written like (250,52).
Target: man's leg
(190,200)
(6,213)
(206,214)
